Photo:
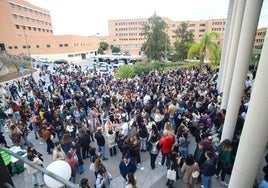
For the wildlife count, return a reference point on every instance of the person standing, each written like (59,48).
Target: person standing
(126,166)
(101,142)
(37,176)
(104,179)
(111,142)
(46,134)
(187,169)
(166,143)
(70,159)
(84,141)
(143,134)
(152,147)
(208,169)
(58,153)
(184,142)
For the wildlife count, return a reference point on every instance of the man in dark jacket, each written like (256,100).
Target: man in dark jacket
(126,166)
(208,169)
(84,141)
(101,142)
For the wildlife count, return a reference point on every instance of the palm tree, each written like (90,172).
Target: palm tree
(206,47)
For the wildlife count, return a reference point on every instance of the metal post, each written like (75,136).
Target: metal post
(45,171)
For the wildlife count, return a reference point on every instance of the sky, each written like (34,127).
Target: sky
(89,18)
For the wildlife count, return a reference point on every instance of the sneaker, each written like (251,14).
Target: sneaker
(160,164)
(217,176)
(223,183)
(105,159)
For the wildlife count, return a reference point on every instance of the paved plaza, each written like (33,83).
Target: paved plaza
(145,178)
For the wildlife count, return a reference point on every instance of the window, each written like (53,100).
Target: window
(30,10)
(192,30)
(34,29)
(60,45)
(70,55)
(202,25)
(17,26)
(10,48)
(29,46)
(201,30)
(44,30)
(29,28)
(19,7)
(48,45)
(11,5)
(15,47)
(25,9)
(14,16)
(24,47)
(66,45)
(23,27)
(192,25)
(37,46)
(39,29)
(21,17)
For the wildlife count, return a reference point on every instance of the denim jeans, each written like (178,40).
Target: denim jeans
(206,181)
(143,143)
(27,141)
(184,152)
(113,151)
(102,150)
(165,157)
(37,178)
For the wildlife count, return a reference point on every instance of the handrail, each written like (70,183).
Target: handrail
(45,171)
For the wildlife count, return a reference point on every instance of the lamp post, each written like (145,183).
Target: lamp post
(26,41)
(166,43)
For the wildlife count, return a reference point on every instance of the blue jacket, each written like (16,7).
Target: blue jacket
(125,169)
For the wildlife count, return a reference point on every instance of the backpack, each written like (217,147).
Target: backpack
(16,137)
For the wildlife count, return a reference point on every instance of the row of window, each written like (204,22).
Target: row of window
(132,23)
(26,9)
(217,29)
(130,29)
(21,17)
(33,28)
(218,23)
(49,46)
(129,39)
(259,40)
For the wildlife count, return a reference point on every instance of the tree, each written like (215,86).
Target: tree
(100,51)
(125,71)
(104,45)
(207,47)
(157,42)
(184,40)
(115,49)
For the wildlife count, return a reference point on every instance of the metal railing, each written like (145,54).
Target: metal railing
(45,171)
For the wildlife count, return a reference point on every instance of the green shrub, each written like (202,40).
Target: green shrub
(125,71)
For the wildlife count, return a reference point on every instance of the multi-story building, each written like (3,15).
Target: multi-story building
(27,29)
(128,31)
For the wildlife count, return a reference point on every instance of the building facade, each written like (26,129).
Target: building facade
(27,29)
(127,32)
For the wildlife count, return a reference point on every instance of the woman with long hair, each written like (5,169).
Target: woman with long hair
(131,181)
(187,169)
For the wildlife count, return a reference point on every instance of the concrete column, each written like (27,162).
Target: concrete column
(244,52)
(232,53)
(255,132)
(227,31)
(228,47)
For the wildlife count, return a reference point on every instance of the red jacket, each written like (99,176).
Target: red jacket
(166,143)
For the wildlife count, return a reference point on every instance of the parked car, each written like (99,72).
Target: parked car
(42,63)
(60,62)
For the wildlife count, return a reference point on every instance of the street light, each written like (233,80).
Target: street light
(166,43)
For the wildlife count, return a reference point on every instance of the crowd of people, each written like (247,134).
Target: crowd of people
(154,113)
